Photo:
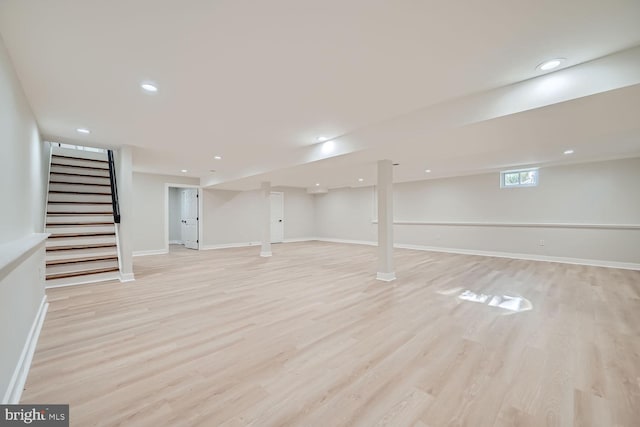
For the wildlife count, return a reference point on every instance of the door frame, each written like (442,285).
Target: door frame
(167,185)
(283,219)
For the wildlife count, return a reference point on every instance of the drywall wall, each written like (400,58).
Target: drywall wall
(24,164)
(599,192)
(22,302)
(125,230)
(149,209)
(299,213)
(175,214)
(232,217)
(24,159)
(590,193)
(228,217)
(346,214)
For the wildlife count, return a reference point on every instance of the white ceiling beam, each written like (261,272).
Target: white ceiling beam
(611,72)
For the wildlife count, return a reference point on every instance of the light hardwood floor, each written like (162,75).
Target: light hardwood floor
(309,338)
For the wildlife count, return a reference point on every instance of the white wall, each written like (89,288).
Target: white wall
(299,213)
(599,193)
(149,209)
(233,217)
(23,162)
(230,217)
(346,214)
(175,214)
(23,174)
(125,230)
(592,193)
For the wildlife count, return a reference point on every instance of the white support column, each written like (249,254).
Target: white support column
(124,178)
(265,189)
(385,221)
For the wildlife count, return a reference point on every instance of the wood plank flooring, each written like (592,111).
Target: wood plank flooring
(309,338)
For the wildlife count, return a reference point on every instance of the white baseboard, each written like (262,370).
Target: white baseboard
(229,245)
(247,244)
(151,252)
(351,242)
(386,277)
(528,257)
(19,377)
(299,239)
(127,277)
(176,242)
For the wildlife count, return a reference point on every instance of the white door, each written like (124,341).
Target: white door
(277,217)
(190,218)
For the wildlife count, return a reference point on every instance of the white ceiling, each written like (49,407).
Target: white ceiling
(257,82)
(602,126)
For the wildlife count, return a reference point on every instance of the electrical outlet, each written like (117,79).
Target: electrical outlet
(541,242)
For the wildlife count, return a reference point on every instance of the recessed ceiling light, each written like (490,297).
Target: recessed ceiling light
(322,139)
(550,64)
(317,184)
(184,171)
(328,147)
(360,179)
(83,130)
(217,157)
(568,152)
(149,87)
(427,170)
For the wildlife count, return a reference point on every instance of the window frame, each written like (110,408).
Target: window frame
(77,147)
(503,175)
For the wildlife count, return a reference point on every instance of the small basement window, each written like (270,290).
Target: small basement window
(519,178)
(78,147)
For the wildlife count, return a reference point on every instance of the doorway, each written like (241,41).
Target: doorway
(277,217)
(183,217)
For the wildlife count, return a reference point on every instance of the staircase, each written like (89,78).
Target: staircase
(82,247)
